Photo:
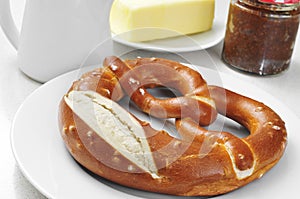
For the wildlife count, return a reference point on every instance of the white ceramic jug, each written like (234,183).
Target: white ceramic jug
(56,35)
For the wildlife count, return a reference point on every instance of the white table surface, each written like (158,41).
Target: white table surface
(15,87)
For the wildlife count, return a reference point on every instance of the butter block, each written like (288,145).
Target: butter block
(144,20)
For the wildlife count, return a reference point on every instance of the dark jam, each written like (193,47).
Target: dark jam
(260,38)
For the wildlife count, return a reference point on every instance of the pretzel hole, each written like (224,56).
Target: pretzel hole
(225,124)
(163,92)
(168,125)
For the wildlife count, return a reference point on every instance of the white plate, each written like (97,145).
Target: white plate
(192,42)
(44,160)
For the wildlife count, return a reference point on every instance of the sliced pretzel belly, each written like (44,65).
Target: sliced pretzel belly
(144,73)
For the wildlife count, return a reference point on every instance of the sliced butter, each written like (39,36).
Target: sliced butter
(144,20)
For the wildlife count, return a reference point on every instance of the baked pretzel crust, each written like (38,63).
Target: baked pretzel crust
(200,163)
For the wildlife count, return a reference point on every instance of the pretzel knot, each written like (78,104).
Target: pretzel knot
(137,75)
(119,147)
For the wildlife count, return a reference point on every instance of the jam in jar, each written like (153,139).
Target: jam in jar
(260,35)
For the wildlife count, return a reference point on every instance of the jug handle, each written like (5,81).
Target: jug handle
(7,23)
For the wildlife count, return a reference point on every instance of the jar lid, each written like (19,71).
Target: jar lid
(274,5)
(280,1)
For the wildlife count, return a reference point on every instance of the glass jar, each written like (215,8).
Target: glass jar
(260,35)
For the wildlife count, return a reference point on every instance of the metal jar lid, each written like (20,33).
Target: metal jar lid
(274,5)
(280,1)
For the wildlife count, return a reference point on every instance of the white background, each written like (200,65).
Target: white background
(15,87)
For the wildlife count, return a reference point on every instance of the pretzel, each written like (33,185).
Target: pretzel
(112,143)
